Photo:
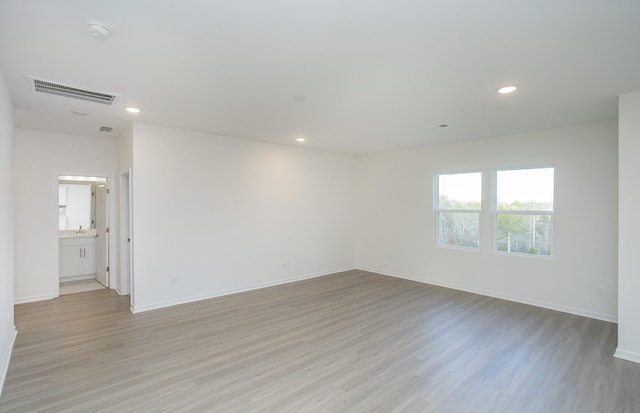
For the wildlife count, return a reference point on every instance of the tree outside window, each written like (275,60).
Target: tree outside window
(524,210)
(457,206)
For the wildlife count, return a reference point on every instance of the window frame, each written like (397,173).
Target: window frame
(495,211)
(437,210)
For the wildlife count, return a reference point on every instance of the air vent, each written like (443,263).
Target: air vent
(106,128)
(74,92)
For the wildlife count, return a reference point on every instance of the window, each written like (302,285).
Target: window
(524,210)
(457,207)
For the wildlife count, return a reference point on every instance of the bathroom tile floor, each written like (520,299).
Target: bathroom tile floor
(80,286)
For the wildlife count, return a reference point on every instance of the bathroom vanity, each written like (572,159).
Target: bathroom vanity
(77,257)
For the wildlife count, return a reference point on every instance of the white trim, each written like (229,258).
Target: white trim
(4,367)
(495,211)
(437,210)
(627,355)
(33,298)
(78,278)
(524,254)
(458,247)
(537,303)
(132,295)
(206,296)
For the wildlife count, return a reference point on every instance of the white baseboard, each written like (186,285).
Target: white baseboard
(627,355)
(31,299)
(4,367)
(537,303)
(206,296)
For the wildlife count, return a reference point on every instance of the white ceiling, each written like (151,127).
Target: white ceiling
(378,75)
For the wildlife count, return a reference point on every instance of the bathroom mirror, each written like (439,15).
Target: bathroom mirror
(76,202)
(75,205)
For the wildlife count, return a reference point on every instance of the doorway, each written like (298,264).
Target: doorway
(83,233)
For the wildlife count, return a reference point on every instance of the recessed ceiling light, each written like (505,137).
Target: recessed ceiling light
(301,139)
(98,30)
(507,89)
(300,99)
(132,110)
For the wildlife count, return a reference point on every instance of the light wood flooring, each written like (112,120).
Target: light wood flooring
(350,342)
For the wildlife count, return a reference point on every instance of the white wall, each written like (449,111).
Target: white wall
(39,157)
(629,227)
(7,329)
(396,224)
(214,215)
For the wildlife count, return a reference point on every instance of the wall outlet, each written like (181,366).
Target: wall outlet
(286,264)
(174,282)
(599,291)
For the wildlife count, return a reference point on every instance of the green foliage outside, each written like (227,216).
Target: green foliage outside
(524,234)
(446,203)
(517,233)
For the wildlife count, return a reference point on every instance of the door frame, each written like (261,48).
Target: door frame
(107,236)
(57,177)
(126,237)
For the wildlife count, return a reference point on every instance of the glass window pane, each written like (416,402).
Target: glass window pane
(459,228)
(525,189)
(525,234)
(460,191)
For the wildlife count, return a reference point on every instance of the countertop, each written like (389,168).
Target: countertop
(73,235)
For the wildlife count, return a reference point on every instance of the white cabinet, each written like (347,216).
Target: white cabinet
(89,258)
(70,261)
(77,257)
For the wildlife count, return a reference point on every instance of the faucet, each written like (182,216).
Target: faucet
(80,231)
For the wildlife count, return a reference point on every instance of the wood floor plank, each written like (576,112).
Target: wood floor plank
(349,342)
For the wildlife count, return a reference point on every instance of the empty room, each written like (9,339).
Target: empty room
(319,206)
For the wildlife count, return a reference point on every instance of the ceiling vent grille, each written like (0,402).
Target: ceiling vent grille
(105,129)
(74,92)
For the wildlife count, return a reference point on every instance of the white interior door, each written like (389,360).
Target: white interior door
(126,244)
(102,238)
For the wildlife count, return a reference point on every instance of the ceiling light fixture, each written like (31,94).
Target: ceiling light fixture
(507,89)
(131,109)
(300,99)
(98,30)
(301,139)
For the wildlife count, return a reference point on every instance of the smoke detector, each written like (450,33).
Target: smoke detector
(98,30)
